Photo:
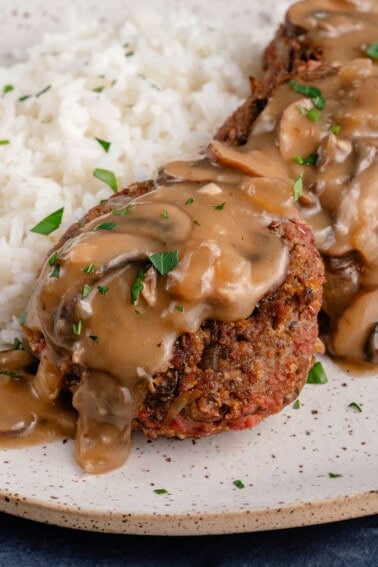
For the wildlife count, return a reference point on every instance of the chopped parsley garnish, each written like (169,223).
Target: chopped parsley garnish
(372,50)
(164,262)
(129,53)
(94,338)
(137,312)
(106,226)
(103,289)
(124,211)
(4,142)
(50,223)
(17,344)
(56,272)
(76,328)
(319,102)
(104,144)
(160,491)
(306,90)
(189,201)
(85,291)
(12,374)
(314,114)
(89,269)
(25,97)
(8,88)
(53,258)
(298,187)
(137,287)
(302,109)
(311,159)
(355,406)
(98,89)
(107,177)
(312,92)
(164,214)
(317,374)
(220,207)
(336,128)
(334,475)
(238,484)
(43,91)
(22,317)
(296,404)
(180,308)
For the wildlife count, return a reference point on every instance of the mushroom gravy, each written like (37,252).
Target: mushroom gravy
(103,306)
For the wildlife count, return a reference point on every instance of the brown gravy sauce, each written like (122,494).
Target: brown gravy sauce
(215,215)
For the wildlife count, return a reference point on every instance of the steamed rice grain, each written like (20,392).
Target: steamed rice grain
(155,89)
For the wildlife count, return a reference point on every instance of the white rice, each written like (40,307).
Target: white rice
(167,87)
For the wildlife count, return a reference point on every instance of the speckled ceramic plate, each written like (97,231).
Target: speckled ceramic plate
(284,464)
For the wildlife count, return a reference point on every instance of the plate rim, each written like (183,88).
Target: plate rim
(190,524)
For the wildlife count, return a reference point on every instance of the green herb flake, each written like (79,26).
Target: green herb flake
(334,475)
(94,338)
(189,201)
(49,224)
(302,110)
(180,308)
(53,258)
(137,287)
(8,88)
(129,53)
(4,142)
(319,102)
(314,115)
(164,262)
(305,90)
(104,144)
(311,159)
(355,406)
(98,89)
(164,214)
(336,128)
(22,318)
(17,344)
(137,312)
(89,269)
(56,272)
(76,328)
(103,289)
(12,374)
(372,50)
(85,291)
(25,97)
(43,91)
(317,374)
(106,226)
(238,484)
(298,187)
(219,207)
(160,491)
(296,404)
(107,177)
(125,211)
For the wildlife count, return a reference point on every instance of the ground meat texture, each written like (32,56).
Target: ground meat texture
(232,375)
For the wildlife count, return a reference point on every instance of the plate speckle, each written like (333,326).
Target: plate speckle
(285,472)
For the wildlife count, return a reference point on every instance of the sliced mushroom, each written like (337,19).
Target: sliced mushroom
(297,135)
(149,287)
(15,359)
(252,162)
(199,172)
(355,326)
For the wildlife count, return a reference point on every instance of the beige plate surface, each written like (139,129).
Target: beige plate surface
(284,463)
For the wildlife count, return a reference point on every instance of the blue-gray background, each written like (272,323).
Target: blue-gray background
(353,542)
